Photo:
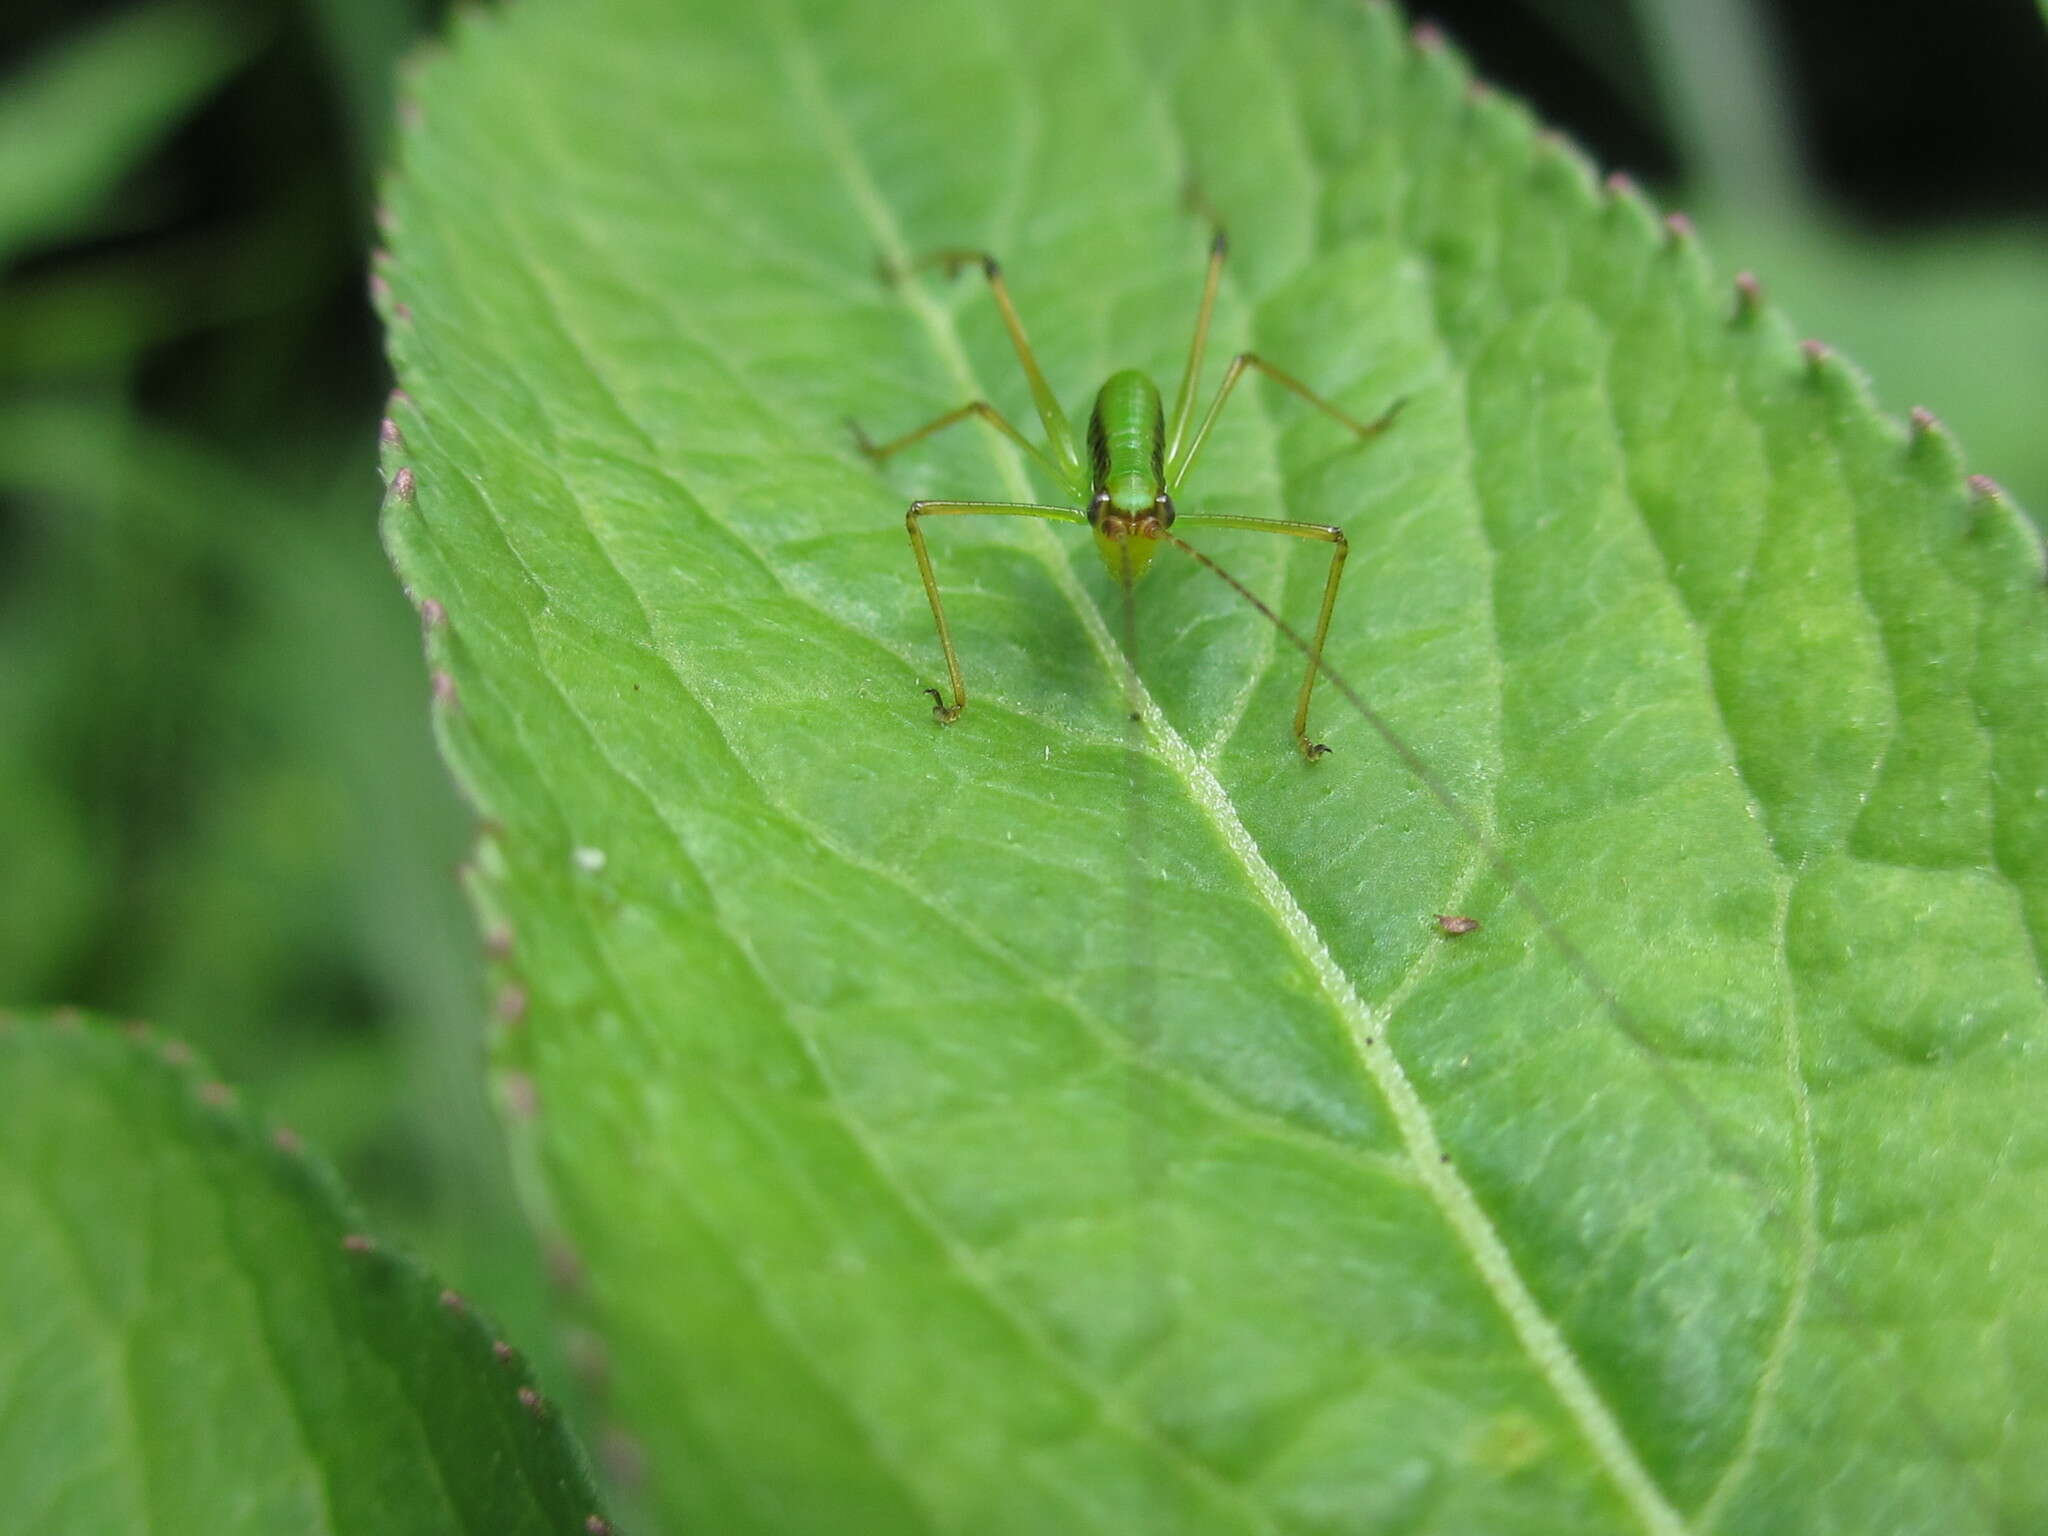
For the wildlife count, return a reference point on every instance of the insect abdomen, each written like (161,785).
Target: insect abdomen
(1127,441)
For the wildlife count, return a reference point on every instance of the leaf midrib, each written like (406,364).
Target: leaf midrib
(1364,1030)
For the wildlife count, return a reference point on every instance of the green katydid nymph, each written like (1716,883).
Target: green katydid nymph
(1137,458)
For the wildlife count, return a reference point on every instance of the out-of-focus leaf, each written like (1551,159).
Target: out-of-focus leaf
(73,121)
(362,38)
(219,809)
(195,1336)
(999,1129)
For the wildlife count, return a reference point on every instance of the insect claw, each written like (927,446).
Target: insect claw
(1385,419)
(1314,751)
(862,441)
(942,712)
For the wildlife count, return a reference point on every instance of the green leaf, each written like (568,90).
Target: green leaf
(997,1128)
(195,1337)
(1973,344)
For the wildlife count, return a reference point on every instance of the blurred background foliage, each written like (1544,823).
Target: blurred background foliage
(219,806)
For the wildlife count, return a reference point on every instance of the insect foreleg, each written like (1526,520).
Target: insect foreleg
(943,712)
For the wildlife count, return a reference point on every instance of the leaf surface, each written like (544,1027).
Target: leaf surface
(194,1338)
(1034,1126)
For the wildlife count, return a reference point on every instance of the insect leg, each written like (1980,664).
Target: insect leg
(1184,397)
(943,712)
(988,413)
(1324,533)
(1057,430)
(1177,468)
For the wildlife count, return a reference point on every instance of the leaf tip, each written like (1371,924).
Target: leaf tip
(623,1457)
(404,486)
(533,1402)
(358,1242)
(563,1264)
(589,1359)
(215,1094)
(1932,448)
(1749,297)
(1427,37)
(498,941)
(1680,228)
(1624,201)
(446,694)
(1818,355)
(1555,148)
(287,1141)
(454,1301)
(504,1353)
(382,298)
(1985,489)
(1929,439)
(511,1007)
(388,435)
(432,616)
(522,1099)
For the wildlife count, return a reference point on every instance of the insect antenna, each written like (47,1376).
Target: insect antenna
(1576,958)
(1773,1206)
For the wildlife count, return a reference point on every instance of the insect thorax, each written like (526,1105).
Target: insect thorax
(1127,442)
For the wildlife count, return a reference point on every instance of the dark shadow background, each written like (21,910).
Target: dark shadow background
(219,807)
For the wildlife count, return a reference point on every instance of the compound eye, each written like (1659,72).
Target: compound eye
(1163,507)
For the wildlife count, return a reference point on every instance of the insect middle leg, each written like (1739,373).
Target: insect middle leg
(879,452)
(1177,469)
(1321,532)
(943,712)
(1066,453)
